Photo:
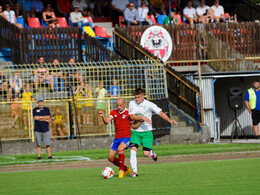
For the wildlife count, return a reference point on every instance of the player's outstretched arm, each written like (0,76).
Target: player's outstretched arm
(140,118)
(165,117)
(105,120)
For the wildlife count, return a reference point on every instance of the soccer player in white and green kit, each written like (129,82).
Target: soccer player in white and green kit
(141,110)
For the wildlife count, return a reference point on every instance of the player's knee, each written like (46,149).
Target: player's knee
(146,151)
(110,159)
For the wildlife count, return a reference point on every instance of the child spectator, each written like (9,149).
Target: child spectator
(232,17)
(79,94)
(26,97)
(101,93)
(3,84)
(87,111)
(16,85)
(15,112)
(58,122)
(114,90)
(58,77)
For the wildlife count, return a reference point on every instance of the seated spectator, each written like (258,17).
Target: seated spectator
(190,13)
(218,12)
(204,12)
(41,75)
(3,84)
(143,14)
(57,74)
(15,85)
(18,11)
(49,17)
(232,17)
(77,19)
(114,90)
(117,8)
(10,16)
(173,19)
(37,8)
(130,15)
(81,4)
(2,12)
(26,97)
(73,76)
(64,7)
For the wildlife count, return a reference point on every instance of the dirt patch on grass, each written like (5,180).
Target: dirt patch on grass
(104,162)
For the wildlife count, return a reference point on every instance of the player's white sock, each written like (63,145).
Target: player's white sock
(151,153)
(133,160)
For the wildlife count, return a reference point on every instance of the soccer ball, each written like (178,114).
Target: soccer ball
(108,172)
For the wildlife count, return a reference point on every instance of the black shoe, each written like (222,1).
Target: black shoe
(154,156)
(39,157)
(50,157)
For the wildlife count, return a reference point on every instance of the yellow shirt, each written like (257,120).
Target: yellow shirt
(26,97)
(89,94)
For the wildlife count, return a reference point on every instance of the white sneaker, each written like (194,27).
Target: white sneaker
(134,174)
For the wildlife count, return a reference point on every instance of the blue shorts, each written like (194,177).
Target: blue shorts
(118,141)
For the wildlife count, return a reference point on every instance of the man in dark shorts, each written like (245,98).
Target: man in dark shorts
(252,102)
(42,116)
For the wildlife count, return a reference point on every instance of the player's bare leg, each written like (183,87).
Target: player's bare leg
(38,148)
(150,153)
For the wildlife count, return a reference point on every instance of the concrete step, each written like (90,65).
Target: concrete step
(181,130)
(181,124)
(175,117)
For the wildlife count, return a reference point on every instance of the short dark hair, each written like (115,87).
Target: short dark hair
(138,91)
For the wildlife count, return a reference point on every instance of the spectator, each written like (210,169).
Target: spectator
(218,12)
(130,15)
(78,20)
(81,4)
(3,84)
(26,97)
(64,7)
(10,16)
(73,76)
(58,122)
(158,6)
(41,75)
(204,13)
(87,110)
(79,94)
(232,17)
(49,17)
(166,5)
(42,116)
(37,8)
(101,93)
(16,85)
(15,111)
(117,8)
(103,7)
(2,12)
(143,14)
(18,11)
(90,6)
(114,90)
(57,74)
(190,13)
(173,19)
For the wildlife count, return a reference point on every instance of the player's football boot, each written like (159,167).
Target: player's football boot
(134,174)
(121,174)
(128,171)
(154,156)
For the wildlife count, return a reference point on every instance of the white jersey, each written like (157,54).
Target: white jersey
(146,108)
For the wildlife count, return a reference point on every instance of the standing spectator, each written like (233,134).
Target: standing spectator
(218,12)
(2,12)
(190,13)
(15,112)
(42,116)
(64,7)
(143,14)
(87,110)
(26,98)
(10,15)
(57,74)
(81,4)
(101,93)
(77,19)
(131,15)
(41,75)
(37,8)
(58,122)
(252,102)
(16,84)
(49,17)
(117,8)
(79,94)
(141,110)
(3,84)
(114,90)
(73,76)
(204,13)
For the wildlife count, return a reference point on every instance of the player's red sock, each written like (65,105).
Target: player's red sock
(121,158)
(116,162)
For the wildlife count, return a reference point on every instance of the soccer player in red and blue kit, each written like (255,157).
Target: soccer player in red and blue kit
(123,133)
